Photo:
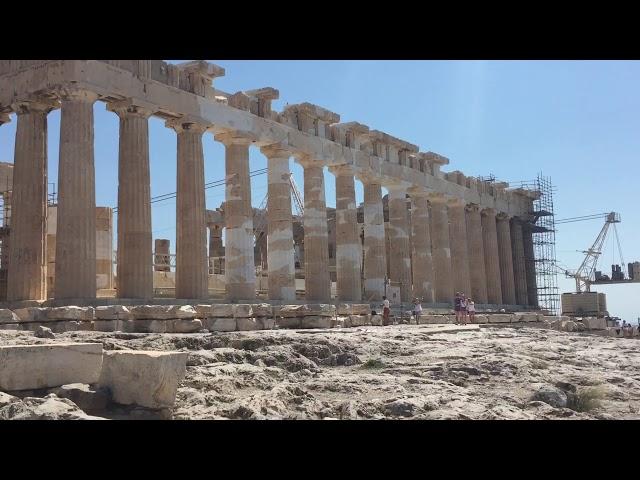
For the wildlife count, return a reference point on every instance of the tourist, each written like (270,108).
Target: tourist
(417,309)
(471,309)
(463,308)
(385,311)
(457,305)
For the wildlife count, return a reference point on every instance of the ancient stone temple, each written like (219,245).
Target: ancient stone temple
(438,232)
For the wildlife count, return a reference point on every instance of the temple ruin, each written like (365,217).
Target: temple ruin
(436,233)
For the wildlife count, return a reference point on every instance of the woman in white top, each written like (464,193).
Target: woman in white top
(471,309)
(417,309)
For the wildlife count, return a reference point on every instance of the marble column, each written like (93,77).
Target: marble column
(422,268)
(440,250)
(459,250)
(491,256)
(477,273)
(75,265)
(519,269)
(280,255)
(399,247)
(375,257)
(191,229)
(316,240)
(506,260)
(530,266)
(215,240)
(27,265)
(348,247)
(240,269)
(134,267)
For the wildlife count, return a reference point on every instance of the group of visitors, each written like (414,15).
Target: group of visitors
(464,307)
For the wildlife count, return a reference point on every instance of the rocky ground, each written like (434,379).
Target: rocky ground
(408,371)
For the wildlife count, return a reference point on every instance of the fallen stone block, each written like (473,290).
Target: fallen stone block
(528,317)
(247,324)
(145,378)
(113,312)
(316,322)
(262,310)
(70,313)
(289,322)
(220,324)
(593,323)
(339,322)
(242,310)
(266,323)
(86,326)
(347,322)
(162,312)
(145,326)
(183,325)
(221,310)
(376,320)
(320,310)
(203,310)
(48,408)
(360,309)
(287,311)
(44,332)
(31,314)
(60,326)
(88,398)
(480,319)
(7,316)
(344,309)
(434,319)
(359,320)
(500,318)
(108,325)
(10,326)
(27,367)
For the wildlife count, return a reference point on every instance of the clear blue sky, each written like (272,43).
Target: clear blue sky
(575,121)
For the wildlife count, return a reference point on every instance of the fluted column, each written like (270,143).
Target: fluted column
(400,250)
(506,260)
(280,254)
(348,247)
(459,249)
(375,255)
(316,240)
(530,266)
(240,269)
(191,229)
(519,269)
(422,268)
(491,256)
(441,250)
(134,268)
(75,265)
(27,256)
(477,273)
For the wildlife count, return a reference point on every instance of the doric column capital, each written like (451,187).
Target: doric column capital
(276,150)
(36,104)
(235,138)
(456,202)
(439,198)
(472,207)
(77,95)
(342,170)
(502,216)
(185,124)
(488,212)
(306,160)
(368,178)
(129,107)
(4,118)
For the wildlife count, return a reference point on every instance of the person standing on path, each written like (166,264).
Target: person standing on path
(457,306)
(385,311)
(471,309)
(417,309)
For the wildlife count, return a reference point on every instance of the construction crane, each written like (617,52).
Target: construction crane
(586,274)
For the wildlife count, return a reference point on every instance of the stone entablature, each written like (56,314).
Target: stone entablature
(185,91)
